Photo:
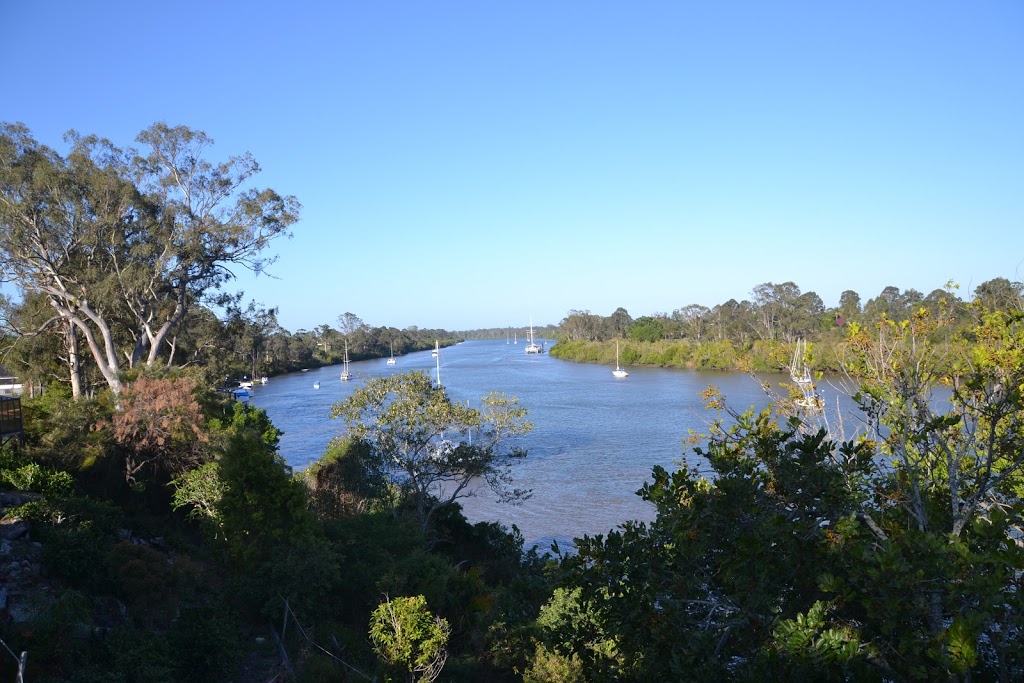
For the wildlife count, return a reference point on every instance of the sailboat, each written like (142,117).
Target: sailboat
(437,356)
(346,373)
(618,371)
(532,347)
(391,361)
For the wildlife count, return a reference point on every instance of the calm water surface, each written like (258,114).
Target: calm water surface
(595,437)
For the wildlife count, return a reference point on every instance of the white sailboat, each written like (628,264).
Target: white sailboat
(346,373)
(618,371)
(437,357)
(391,361)
(532,347)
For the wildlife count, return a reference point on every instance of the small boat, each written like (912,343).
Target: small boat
(263,379)
(245,384)
(436,349)
(346,373)
(391,361)
(316,385)
(618,371)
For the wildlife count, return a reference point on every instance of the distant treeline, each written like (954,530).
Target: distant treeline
(758,334)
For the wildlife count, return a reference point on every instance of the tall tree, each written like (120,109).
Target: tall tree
(1001,294)
(123,245)
(694,319)
(64,227)
(211,222)
(582,325)
(349,323)
(618,323)
(849,306)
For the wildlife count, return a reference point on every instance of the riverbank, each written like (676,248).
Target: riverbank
(721,355)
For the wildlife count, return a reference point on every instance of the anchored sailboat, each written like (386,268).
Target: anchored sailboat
(618,371)
(391,361)
(532,347)
(437,358)
(346,373)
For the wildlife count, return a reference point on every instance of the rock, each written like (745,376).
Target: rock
(9,499)
(12,528)
(5,547)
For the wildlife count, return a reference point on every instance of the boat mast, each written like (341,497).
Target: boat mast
(437,357)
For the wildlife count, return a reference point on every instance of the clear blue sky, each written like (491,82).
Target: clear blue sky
(470,164)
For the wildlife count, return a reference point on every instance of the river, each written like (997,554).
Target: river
(594,441)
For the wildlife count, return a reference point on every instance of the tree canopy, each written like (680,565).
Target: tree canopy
(123,243)
(434,448)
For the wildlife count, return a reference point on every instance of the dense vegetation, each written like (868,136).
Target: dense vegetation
(151,531)
(758,334)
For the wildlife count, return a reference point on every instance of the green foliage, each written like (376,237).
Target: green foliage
(140,655)
(262,507)
(431,446)
(347,480)
(206,642)
(67,434)
(21,475)
(647,329)
(57,630)
(573,640)
(715,355)
(550,667)
(147,581)
(891,557)
(201,491)
(77,533)
(243,417)
(408,637)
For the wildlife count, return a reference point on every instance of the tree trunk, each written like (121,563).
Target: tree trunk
(156,341)
(74,365)
(105,355)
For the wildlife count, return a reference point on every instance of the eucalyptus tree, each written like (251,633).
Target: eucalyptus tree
(123,244)
(349,322)
(1000,293)
(849,305)
(618,323)
(732,320)
(65,225)
(892,304)
(211,221)
(694,321)
(582,325)
(775,306)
